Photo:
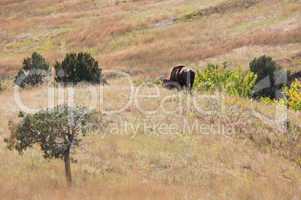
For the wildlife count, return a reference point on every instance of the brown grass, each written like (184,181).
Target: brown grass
(169,54)
(123,34)
(251,160)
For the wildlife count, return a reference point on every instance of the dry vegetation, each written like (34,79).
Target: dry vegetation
(149,34)
(145,38)
(231,154)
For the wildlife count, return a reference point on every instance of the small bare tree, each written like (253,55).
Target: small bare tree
(55,130)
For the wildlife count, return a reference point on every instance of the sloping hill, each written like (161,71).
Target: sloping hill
(173,153)
(148,33)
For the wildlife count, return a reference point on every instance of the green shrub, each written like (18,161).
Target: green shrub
(294,95)
(233,82)
(78,67)
(33,71)
(267,71)
(211,78)
(55,130)
(240,83)
(263,66)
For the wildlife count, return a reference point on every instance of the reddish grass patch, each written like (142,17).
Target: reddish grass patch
(146,56)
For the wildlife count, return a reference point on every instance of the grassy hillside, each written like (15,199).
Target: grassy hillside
(174,153)
(151,34)
(229,153)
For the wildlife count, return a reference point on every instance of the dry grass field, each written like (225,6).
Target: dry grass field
(150,35)
(161,147)
(175,152)
(148,167)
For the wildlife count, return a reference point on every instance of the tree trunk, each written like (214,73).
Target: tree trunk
(68,168)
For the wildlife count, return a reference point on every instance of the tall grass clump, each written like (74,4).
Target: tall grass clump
(33,71)
(233,82)
(78,67)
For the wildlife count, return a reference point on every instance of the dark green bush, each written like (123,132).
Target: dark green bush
(33,71)
(270,78)
(78,67)
(263,66)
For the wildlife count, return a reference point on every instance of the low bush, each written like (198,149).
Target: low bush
(233,82)
(270,78)
(33,71)
(78,67)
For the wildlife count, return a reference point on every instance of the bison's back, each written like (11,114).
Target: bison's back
(175,72)
(183,75)
(186,77)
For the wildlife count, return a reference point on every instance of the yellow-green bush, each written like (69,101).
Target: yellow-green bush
(233,82)
(211,78)
(294,95)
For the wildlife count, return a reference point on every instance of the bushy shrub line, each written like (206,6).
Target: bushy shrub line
(73,69)
(265,81)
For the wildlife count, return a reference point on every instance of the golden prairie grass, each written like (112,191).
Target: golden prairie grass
(138,162)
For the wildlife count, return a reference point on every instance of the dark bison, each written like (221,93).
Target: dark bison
(180,77)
